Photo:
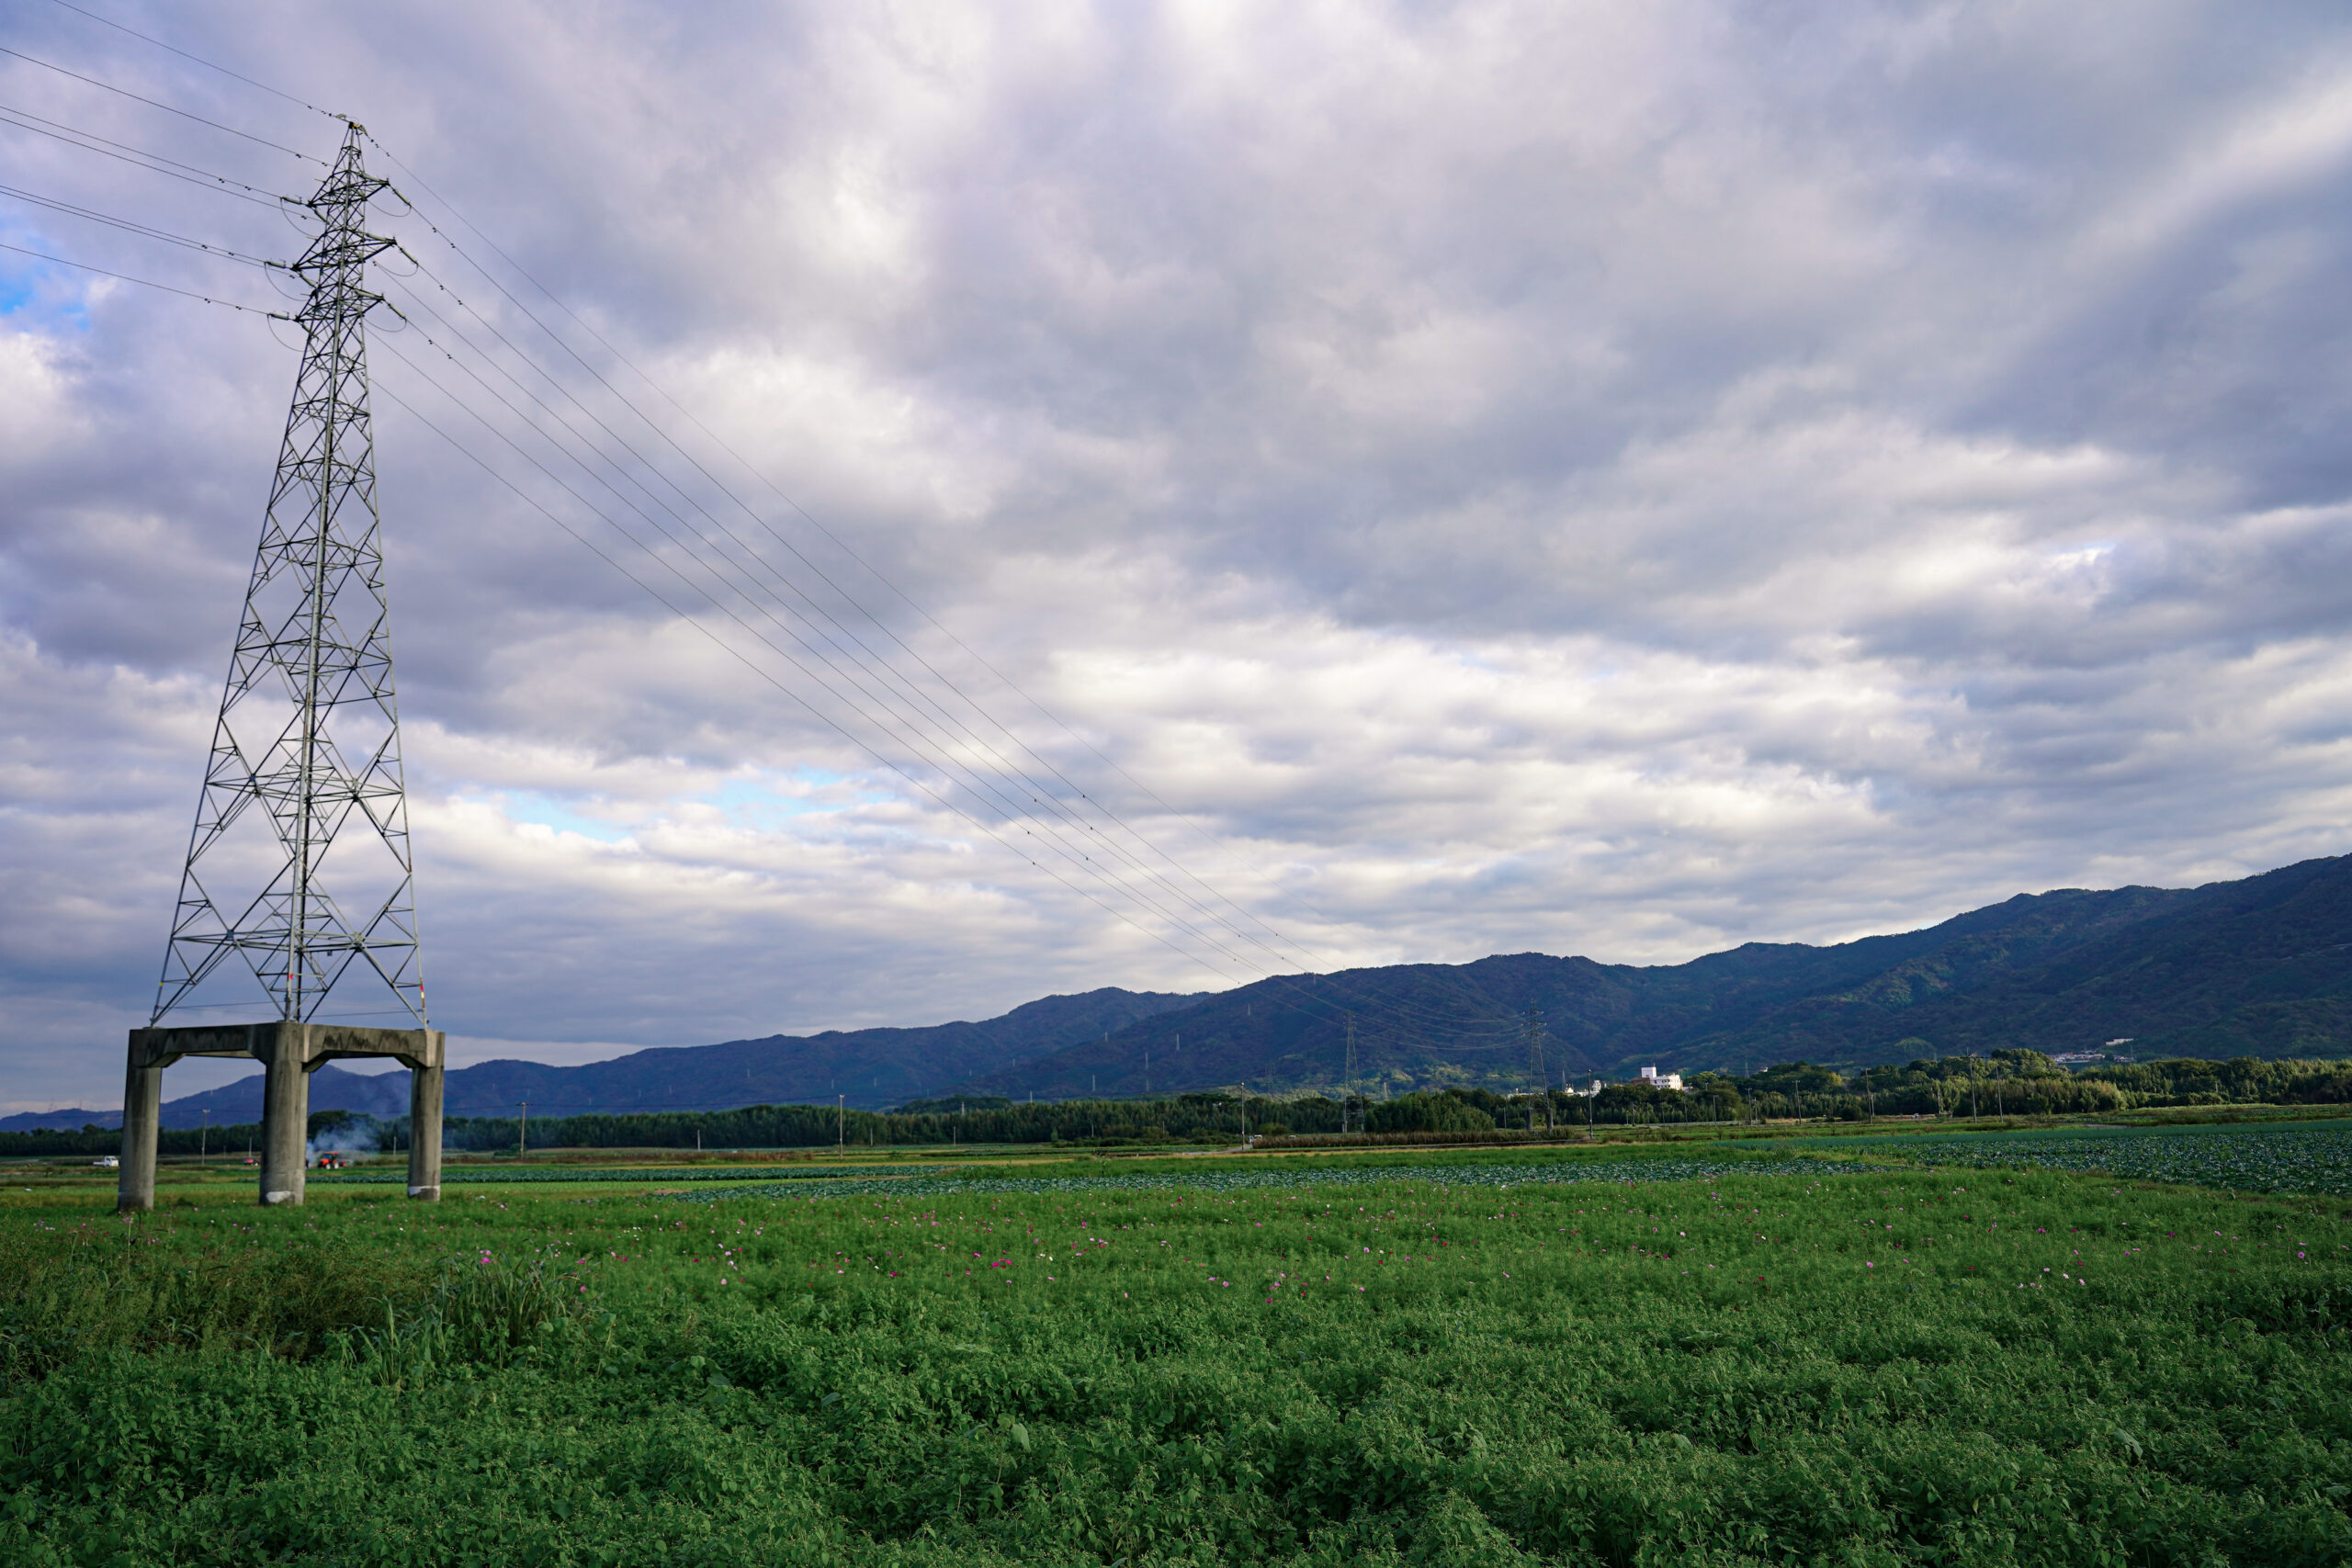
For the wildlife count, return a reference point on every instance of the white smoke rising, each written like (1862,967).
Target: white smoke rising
(359,1135)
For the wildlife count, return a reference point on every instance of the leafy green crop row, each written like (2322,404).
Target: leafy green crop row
(1447,1363)
(471,1175)
(2300,1158)
(1226,1178)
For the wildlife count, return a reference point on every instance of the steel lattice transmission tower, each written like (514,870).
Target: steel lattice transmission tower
(300,872)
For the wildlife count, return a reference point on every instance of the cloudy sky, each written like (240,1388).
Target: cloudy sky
(1628,478)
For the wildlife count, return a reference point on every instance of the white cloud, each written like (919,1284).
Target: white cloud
(1627,479)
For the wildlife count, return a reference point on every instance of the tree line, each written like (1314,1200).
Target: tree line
(2004,1083)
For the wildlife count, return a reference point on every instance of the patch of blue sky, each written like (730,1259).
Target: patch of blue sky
(540,810)
(768,800)
(37,293)
(754,798)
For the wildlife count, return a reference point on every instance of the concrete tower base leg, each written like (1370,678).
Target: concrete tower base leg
(285,1116)
(142,1109)
(286,1051)
(424,1134)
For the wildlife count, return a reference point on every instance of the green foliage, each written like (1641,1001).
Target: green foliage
(1428,1114)
(2248,1159)
(1450,1362)
(2257,967)
(1189,1118)
(71,1286)
(96,1140)
(1550,1168)
(486,1310)
(540,1175)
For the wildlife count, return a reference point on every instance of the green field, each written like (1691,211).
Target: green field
(1687,1355)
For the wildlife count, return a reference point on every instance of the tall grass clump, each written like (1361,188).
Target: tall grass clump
(486,1310)
(68,1291)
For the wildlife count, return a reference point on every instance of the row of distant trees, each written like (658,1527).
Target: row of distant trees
(2005,1083)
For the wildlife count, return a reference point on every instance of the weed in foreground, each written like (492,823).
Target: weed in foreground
(1887,1367)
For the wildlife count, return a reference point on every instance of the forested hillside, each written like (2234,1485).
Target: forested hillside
(2257,967)
(2260,968)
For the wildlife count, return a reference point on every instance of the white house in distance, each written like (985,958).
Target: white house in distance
(1649,1076)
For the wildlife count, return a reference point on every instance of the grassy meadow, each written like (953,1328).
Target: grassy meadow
(1627,1356)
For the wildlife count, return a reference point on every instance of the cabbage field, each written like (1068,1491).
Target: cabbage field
(2295,1158)
(1504,1360)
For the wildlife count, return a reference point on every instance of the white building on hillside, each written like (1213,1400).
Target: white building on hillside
(1672,1081)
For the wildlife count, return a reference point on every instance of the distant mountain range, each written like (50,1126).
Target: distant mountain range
(2257,967)
(2260,968)
(869,1067)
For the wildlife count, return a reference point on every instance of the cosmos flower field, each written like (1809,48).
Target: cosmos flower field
(1473,1360)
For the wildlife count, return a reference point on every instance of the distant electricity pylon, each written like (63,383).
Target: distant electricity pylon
(306,759)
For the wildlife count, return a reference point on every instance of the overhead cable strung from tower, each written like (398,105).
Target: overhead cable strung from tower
(208,65)
(765,526)
(718,586)
(137,157)
(142,282)
(893,726)
(133,226)
(1101,852)
(863,665)
(847,549)
(768,676)
(157,103)
(1500,1026)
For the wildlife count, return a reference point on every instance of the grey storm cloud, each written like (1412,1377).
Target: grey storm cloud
(1628,478)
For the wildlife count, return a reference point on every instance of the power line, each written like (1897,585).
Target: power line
(1502,1026)
(157,103)
(872,663)
(1215,893)
(749,663)
(878,665)
(896,726)
(905,728)
(734,577)
(138,157)
(134,227)
(1044,794)
(144,282)
(804,513)
(877,661)
(184,54)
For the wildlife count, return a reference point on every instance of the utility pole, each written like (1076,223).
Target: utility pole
(1534,1059)
(522,1127)
(841,1126)
(204,1137)
(1348,1090)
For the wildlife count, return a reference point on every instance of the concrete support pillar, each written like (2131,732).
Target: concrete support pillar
(424,1134)
(142,1110)
(284,1115)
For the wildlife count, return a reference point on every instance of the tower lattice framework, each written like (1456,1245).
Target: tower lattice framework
(307,745)
(298,872)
